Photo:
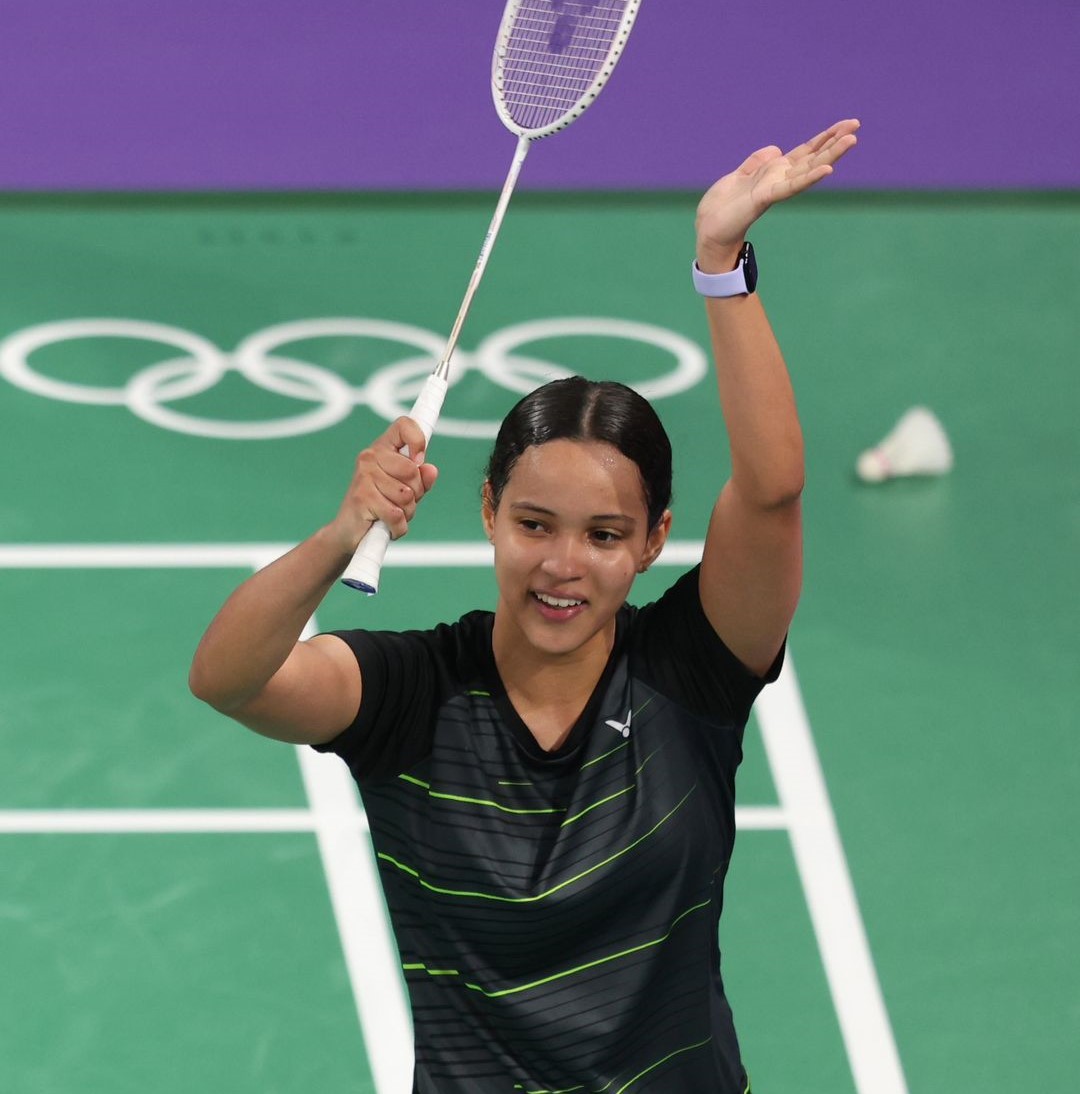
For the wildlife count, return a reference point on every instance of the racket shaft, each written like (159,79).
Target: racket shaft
(363,571)
(485,251)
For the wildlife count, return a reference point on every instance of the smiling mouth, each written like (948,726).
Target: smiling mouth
(558,601)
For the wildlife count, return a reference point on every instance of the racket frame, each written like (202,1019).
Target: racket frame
(498,61)
(364,569)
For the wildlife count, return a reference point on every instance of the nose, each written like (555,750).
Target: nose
(565,559)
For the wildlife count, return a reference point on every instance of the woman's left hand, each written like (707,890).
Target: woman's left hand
(766,177)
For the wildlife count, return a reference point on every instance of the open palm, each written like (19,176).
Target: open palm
(764,178)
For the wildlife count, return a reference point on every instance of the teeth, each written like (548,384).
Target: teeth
(556,601)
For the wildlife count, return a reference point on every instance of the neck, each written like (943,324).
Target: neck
(549,689)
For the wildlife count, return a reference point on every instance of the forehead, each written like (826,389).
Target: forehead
(566,475)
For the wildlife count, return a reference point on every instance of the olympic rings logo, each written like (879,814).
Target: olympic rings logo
(263,360)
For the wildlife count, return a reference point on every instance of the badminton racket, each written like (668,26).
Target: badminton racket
(551,60)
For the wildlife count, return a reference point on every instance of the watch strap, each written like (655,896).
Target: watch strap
(737,282)
(732,283)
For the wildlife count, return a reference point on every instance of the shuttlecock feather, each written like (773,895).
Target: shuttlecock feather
(916,445)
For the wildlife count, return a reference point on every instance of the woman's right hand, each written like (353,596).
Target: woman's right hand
(387,485)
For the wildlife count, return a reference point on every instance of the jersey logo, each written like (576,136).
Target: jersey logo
(620,727)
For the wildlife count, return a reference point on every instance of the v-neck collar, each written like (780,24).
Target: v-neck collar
(578,732)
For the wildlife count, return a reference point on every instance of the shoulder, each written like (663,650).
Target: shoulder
(454,650)
(675,649)
(407,676)
(674,620)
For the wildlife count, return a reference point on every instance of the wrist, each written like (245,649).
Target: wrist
(718,258)
(738,278)
(338,540)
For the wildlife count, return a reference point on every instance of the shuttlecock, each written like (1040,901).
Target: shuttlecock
(916,445)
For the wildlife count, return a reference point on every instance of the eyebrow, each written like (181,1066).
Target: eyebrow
(606,518)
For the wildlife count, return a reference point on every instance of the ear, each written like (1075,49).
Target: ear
(655,543)
(487,511)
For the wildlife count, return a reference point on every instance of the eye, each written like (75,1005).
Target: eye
(529,524)
(606,536)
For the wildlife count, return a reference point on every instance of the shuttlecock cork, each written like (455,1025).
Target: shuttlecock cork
(916,445)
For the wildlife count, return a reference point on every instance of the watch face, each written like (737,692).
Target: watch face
(749,265)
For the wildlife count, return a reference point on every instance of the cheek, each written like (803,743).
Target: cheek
(619,572)
(511,561)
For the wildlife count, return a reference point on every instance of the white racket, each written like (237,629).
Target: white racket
(552,58)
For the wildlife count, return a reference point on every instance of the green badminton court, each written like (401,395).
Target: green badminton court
(184,384)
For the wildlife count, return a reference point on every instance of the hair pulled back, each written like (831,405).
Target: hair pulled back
(577,409)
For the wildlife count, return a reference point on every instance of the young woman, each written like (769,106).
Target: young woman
(550,787)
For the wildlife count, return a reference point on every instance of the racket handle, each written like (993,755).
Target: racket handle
(363,571)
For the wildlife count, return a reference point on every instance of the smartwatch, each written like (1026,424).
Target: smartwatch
(738,282)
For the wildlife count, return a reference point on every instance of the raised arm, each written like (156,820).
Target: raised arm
(751,572)
(251,664)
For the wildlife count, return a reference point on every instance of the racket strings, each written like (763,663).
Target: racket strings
(552,54)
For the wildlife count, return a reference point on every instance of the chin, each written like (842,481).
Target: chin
(560,640)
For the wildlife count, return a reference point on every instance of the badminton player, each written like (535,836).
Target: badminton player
(550,787)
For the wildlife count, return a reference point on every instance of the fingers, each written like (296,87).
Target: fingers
(428,474)
(395,480)
(756,160)
(405,434)
(389,481)
(827,136)
(829,145)
(836,145)
(808,164)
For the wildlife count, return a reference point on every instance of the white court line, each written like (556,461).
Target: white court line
(59,556)
(81,822)
(371,954)
(138,821)
(133,556)
(336,816)
(763,818)
(830,894)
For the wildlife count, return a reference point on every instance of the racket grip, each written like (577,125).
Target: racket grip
(363,571)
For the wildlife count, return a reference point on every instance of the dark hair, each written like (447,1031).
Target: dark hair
(577,409)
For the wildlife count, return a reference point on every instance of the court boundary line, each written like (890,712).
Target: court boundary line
(336,816)
(827,887)
(168,820)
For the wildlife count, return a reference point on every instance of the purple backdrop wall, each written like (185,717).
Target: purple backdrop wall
(234,94)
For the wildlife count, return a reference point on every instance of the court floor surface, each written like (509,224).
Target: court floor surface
(183,385)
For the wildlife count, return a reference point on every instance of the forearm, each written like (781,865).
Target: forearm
(257,628)
(758,403)
(755,390)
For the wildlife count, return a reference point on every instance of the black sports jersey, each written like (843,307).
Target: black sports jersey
(556,912)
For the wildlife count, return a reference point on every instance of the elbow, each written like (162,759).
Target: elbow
(778,493)
(785,485)
(203,685)
(786,495)
(775,484)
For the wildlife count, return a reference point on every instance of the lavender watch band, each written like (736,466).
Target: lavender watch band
(732,283)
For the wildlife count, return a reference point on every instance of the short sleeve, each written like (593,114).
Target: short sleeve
(676,651)
(394,726)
